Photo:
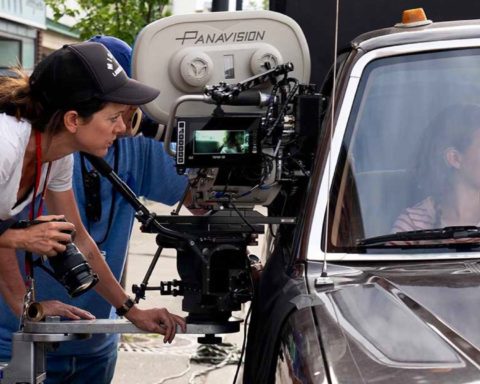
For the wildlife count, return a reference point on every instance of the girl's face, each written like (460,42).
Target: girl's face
(468,164)
(98,133)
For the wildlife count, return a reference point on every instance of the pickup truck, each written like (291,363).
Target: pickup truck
(379,280)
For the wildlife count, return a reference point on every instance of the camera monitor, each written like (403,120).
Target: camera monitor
(218,141)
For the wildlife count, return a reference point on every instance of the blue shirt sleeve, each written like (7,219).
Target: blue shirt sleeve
(151,172)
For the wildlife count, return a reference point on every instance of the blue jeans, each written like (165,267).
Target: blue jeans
(81,369)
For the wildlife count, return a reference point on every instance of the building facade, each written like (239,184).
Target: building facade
(55,36)
(20,23)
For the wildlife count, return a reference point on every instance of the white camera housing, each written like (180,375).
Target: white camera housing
(182,54)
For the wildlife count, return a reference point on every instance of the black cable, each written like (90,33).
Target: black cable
(244,343)
(241,216)
(228,181)
(116,156)
(181,203)
(283,109)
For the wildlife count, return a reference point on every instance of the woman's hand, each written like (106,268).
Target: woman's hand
(157,320)
(47,238)
(57,308)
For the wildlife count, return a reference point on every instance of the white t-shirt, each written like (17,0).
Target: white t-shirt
(14,136)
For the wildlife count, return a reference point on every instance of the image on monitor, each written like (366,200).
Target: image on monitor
(220,142)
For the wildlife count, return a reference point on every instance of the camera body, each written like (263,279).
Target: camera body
(231,96)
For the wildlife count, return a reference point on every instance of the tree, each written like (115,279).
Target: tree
(120,18)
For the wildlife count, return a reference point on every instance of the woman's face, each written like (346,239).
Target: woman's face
(97,134)
(469,162)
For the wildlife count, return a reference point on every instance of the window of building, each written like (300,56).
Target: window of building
(10,52)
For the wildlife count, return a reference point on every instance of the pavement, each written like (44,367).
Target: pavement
(145,358)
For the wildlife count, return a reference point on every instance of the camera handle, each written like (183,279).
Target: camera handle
(148,219)
(173,114)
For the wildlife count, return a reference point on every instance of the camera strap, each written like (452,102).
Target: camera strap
(35,213)
(90,195)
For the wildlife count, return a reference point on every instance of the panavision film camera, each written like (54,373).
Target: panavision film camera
(239,113)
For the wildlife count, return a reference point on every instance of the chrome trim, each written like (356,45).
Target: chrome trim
(360,65)
(394,257)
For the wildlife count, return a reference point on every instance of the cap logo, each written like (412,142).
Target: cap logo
(112,63)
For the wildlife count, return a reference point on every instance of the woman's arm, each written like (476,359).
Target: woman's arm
(12,288)
(152,320)
(43,239)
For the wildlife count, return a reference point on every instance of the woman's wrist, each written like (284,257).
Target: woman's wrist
(132,313)
(13,238)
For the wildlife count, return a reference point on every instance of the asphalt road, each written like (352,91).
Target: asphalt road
(144,358)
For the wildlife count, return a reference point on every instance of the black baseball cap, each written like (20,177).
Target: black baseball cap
(79,72)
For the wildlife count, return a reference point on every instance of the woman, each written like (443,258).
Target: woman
(448,172)
(73,101)
(232,142)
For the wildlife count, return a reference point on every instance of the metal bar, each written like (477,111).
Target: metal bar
(198,220)
(114,326)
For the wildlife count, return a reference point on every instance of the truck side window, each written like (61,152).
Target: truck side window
(379,175)
(449,171)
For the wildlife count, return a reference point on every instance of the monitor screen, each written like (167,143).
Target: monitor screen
(223,142)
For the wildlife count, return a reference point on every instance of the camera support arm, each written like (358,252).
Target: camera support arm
(229,93)
(143,215)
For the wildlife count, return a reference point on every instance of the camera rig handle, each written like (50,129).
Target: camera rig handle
(148,219)
(224,93)
(228,94)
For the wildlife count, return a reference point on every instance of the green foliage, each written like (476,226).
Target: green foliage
(120,18)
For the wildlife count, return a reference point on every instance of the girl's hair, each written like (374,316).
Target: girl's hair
(452,128)
(232,140)
(16,99)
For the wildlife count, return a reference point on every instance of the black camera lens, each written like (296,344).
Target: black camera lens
(72,270)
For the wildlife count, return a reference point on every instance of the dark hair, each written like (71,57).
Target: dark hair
(452,128)
(16,99)
(232,139)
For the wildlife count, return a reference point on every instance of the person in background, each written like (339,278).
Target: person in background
(232,142)
(108,218)
(449,173)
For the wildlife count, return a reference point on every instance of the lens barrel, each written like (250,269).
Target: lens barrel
(72,271)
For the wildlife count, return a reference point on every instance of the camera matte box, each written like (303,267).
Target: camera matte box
(182,54)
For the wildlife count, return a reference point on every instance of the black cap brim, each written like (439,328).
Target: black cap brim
(132,93)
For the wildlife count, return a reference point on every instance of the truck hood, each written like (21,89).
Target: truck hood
(416,323)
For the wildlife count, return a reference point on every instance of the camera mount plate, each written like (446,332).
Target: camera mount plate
(120,326)
(28,362)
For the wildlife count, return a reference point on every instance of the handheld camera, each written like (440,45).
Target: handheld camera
(69,268)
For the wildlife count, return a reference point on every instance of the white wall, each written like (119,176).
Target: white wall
(190,6)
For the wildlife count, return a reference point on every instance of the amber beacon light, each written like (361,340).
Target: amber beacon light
(413,18)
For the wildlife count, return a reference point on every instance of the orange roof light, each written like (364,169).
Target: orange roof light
(413,18)
(413,15)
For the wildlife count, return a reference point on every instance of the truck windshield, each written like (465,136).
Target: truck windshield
(410,159)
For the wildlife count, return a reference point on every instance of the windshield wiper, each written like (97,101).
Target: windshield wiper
(446,233)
